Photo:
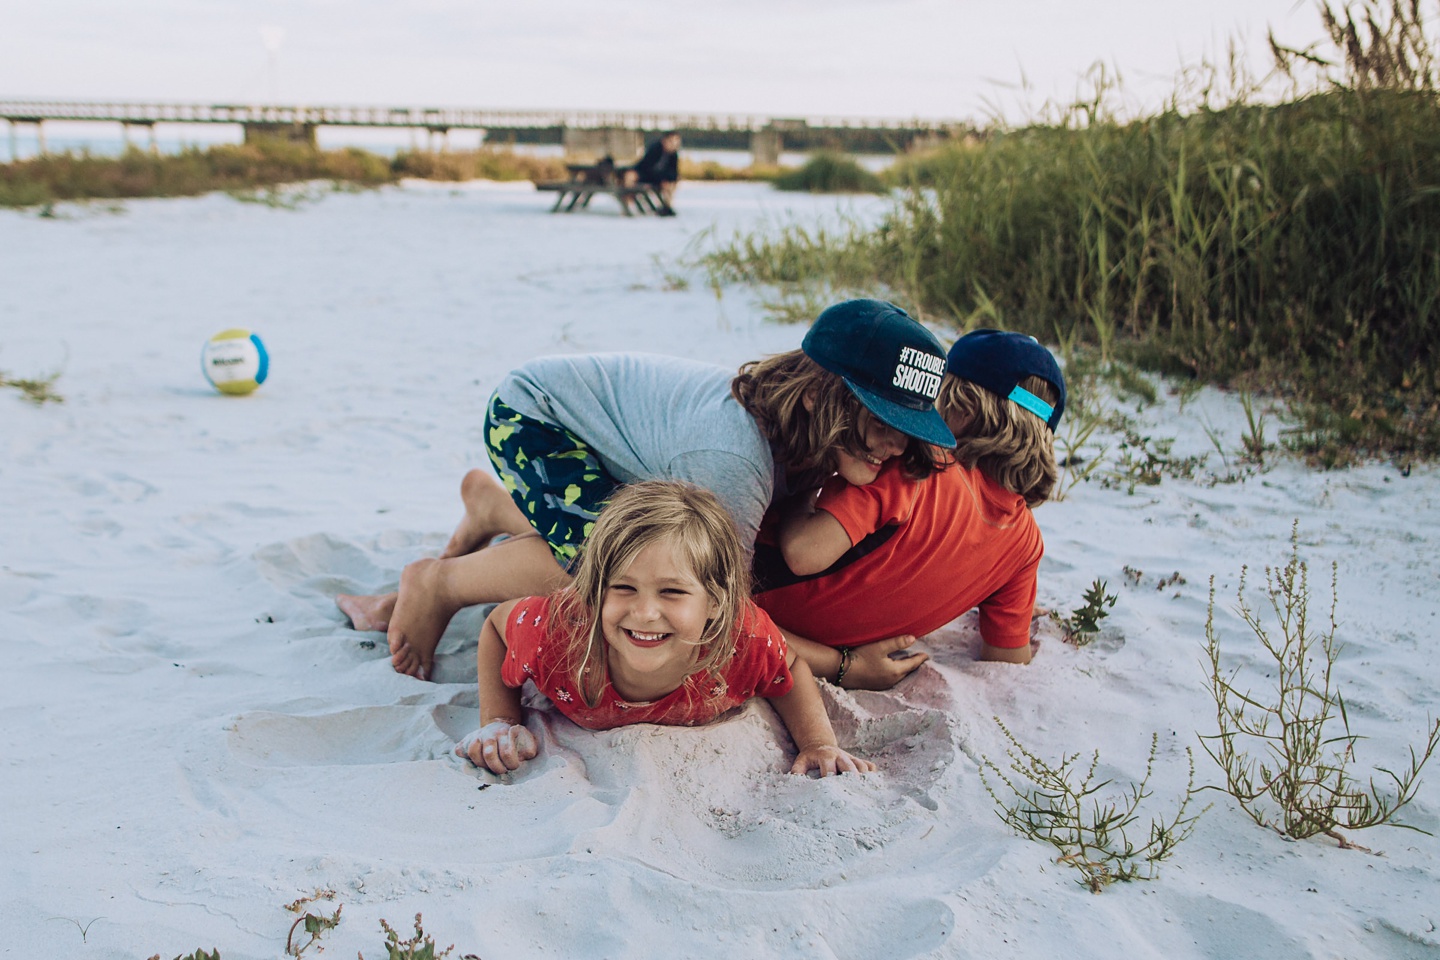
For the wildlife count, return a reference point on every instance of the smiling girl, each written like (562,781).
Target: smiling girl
(656,627)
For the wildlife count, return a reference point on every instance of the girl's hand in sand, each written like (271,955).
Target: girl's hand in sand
(829,760)
(500,746)
(882,664)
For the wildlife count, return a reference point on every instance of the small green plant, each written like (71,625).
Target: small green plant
(1174,580)
(38,391)
(672,277)
(315,924)
(1084,621)
(1130,384)
(280,197)
(1075,466)
(1062,805)
(1097,389)
(1078,455)
(1253,443)
(1145,462)
(418,947)
(1286,755)
(84,930)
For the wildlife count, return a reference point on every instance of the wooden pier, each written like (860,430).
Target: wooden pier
(764,136)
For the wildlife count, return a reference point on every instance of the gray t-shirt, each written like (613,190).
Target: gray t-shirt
(650,417)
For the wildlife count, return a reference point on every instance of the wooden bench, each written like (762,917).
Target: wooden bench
(586,180)
(571,196)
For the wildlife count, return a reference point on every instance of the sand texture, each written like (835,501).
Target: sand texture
(193,737)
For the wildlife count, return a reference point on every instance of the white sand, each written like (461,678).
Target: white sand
(193,737)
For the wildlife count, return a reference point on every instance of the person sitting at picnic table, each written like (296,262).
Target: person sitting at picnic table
(659,167)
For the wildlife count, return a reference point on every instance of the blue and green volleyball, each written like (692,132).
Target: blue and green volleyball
(235,361)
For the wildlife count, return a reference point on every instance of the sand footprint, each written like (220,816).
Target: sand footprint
(322,564)
(363,735)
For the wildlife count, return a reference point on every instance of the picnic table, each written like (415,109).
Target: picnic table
(588,179)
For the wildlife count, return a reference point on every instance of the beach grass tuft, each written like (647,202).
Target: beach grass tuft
(830,172)
(38,390)
(248,171)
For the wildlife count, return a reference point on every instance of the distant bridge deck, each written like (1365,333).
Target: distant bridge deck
(860,134)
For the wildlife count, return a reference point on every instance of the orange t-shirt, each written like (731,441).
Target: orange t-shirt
(960,540)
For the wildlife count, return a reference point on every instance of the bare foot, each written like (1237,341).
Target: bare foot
(421,614)
(489,511)
(367,612)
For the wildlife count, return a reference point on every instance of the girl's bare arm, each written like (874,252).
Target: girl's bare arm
(503,743)
(804,714)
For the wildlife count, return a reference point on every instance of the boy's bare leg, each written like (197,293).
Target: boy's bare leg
(433,591)
(489,511)
(371,612)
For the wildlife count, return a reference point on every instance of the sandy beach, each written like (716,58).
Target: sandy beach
(193,737)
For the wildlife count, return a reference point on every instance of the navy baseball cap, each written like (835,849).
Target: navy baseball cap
(888,360)
(998,361)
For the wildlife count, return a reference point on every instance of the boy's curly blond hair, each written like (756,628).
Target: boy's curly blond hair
(807,441)
(1010,445)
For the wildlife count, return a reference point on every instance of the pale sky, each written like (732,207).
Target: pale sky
(887,58)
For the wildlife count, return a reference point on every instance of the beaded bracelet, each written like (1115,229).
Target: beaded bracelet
(844,663)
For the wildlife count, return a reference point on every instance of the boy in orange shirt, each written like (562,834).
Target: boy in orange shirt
(853,566)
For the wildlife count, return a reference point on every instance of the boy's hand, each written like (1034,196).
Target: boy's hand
(500,746)
(873,668)
(829,760)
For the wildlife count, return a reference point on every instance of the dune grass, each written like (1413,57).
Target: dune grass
(38,390)
(239,168)
(1292,248)
(243,169)
(482,164)
(139,173)
(830,172)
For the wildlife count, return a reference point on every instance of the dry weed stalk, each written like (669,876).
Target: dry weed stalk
(316,924)
(1299,784)
(1060,804)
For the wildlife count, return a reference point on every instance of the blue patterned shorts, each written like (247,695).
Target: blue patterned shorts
(553,477)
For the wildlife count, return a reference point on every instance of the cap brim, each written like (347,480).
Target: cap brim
(926,424)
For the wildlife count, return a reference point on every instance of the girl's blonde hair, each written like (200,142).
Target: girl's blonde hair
(1010,445)
(806,441)
(703,536)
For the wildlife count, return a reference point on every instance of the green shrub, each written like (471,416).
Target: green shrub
(828,172)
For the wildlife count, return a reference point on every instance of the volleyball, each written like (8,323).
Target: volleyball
(235,361)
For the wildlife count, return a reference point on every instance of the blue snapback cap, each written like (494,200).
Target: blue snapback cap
(998,361)
(888,360)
